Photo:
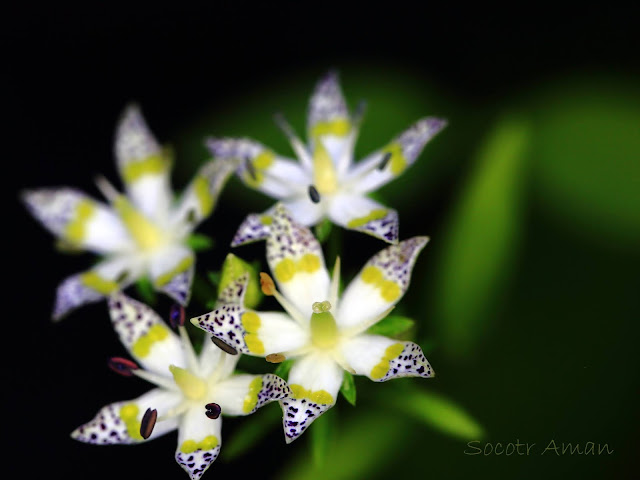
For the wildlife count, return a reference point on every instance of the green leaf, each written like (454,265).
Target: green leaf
(435,410)
(320,433)
(283,368)
(322,230)
(482,238)
(253,430)
(214,278)
(391,326)
(199,242)
(145,289)
(348,388)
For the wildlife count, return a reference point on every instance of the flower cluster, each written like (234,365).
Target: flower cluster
(322,331)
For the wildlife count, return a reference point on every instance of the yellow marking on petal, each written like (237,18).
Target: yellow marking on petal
(208,443)
(193,387)
(183,266)
(97,283)
(381,369)
(254,344)
(397,162)
(338,126)
(129,415)
(145,233)
(390,290)
(325,178)
(371,274)
(142,347)
(203,194)
(266,220)
(253,180)
(76,230)
(188,446)
(318,396)
(285,270)
(151,165)
(251,321)
(263,160)
(251,399)
(377,214)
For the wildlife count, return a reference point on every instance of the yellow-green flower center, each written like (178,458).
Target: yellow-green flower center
(325,178)
(145,233)
(324,331)
(193,387)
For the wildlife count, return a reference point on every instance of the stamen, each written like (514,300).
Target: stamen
(313,194)
(122,366)
(267,285)
(213,410)
(224,346)
(321,307)
(335,283)
(148,422)
(250,168)
(122,276)
(159,380)
(108,190)
(298,147)
(191,215)
(283,125)
(385,161)
(275,358)
(176,316)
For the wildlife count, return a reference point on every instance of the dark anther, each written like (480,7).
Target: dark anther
(250,168)
(224,346)
(384,161)
(122,366)
(148,422)
(313,194)
(176,316)
(213,410)
(191,216)
(123,276)
(275,358)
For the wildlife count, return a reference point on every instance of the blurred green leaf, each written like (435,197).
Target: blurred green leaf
(436,411)
(283,368)
(234,267)
(320,435)
(199,242)
(348,388)
(145,289)
(587,156)
(391,326)
(254,429)
(214,278)
(482,237)
(362,447)
(323,230)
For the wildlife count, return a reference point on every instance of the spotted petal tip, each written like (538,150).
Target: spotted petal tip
(253,229)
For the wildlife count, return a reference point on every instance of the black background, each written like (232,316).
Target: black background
(68,72)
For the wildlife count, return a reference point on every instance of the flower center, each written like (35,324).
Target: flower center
(324,331)
(325,178)
(145,233)
(193,387)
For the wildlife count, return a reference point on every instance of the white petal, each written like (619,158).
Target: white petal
(381,358)
(404,150)
(93,285)
(297,262)
(119,422)
(261,168)
(199,441)
(314,381)
(304,211)
(171,270)
(380,284)
(78,219)
(149,340)
(244,394)
(357,212)
(200,197)
(143,166)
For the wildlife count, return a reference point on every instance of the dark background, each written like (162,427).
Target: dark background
(70,70)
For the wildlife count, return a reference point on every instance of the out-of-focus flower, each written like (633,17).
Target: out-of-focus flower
(322,333)
(190,394)
(143,233)
(325,183)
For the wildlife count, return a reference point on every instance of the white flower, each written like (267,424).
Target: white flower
(325,183)
(190,391)
(141,234)
(324,334)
